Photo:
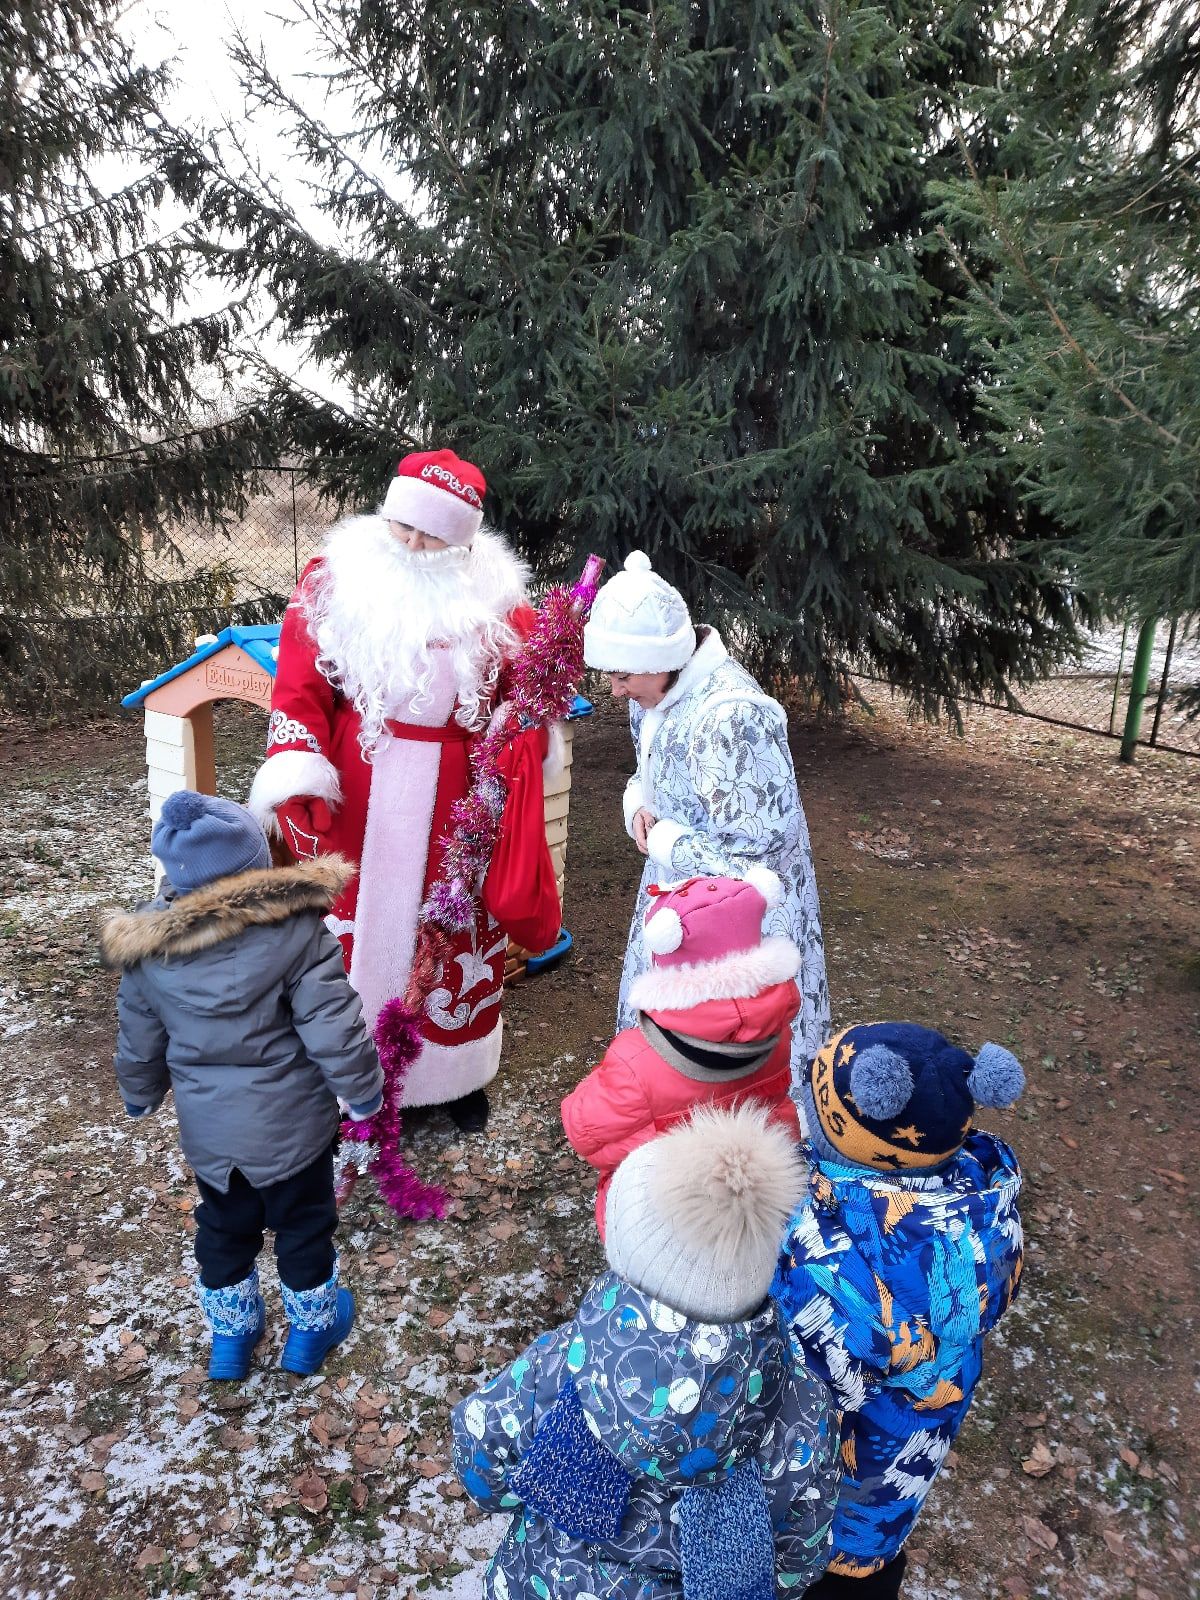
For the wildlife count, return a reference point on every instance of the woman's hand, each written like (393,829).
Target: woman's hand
(643,821)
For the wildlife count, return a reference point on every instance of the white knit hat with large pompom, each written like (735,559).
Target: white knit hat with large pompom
(695,1217)
(639,623)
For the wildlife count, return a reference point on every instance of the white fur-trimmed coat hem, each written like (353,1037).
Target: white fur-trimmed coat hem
(735,977)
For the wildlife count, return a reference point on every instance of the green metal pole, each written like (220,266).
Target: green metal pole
(1139,682)
(1112,715)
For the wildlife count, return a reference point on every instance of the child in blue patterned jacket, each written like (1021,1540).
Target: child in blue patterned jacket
(906,1253)
(669,1442)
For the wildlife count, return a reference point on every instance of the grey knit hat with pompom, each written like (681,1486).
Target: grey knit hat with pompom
(199,837)
(694,1218)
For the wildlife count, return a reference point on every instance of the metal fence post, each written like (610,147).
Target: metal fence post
(1112,715)
(1162,687)
(1139,680)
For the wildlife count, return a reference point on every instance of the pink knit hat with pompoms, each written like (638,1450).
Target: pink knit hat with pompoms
(706,942)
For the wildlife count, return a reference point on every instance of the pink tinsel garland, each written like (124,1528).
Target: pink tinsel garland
(544,676)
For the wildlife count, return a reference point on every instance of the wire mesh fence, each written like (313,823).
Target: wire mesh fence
(1094,695)
(265,552)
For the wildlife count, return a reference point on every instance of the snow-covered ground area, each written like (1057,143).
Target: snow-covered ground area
(1018,887)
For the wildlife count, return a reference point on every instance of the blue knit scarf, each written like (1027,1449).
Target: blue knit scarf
(568,1476)
(726,1539)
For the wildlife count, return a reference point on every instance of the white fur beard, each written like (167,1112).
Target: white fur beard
(377,610)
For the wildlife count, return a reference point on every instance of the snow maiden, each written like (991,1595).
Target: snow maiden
(715,790)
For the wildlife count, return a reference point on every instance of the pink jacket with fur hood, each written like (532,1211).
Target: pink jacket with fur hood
(734,1044)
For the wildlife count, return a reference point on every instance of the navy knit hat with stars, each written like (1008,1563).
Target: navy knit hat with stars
(896,1097)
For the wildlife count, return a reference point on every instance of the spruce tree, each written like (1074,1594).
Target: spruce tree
(1088,231)
(106,444)
(669,272)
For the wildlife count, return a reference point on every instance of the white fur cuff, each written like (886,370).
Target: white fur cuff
(662,839)
(288,776)
(735,977)
(632,802)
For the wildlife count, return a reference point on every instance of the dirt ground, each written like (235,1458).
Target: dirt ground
(1015,885)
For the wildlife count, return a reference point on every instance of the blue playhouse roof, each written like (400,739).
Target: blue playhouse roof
(262,646)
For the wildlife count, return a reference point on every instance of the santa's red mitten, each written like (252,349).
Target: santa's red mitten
(304,822)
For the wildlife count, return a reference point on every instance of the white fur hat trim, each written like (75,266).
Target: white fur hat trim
(734,977)
(431,509)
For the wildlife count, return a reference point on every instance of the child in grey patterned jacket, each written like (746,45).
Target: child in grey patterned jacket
(670,1435)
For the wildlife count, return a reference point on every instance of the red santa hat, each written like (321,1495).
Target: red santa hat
(439,493)
(705,942)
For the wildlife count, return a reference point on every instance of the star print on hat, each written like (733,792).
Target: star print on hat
(439,493)
(894,1096)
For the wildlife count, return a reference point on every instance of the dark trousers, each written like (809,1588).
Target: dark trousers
(881,1585)
(301,1211)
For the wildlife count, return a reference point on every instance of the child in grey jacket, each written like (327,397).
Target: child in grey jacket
(233,995)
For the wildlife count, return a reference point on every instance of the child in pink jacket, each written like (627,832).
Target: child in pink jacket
(715,1012)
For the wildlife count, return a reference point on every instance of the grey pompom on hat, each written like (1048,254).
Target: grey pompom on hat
(695,1217)
(199,837)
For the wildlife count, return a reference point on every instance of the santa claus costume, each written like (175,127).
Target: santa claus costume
(392,660)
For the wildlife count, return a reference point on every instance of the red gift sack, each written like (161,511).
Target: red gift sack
(519,889)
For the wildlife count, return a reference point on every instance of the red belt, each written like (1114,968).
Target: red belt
(451,733)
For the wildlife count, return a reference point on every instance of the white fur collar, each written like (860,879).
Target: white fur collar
(709,654)
(736,977)
(707,657)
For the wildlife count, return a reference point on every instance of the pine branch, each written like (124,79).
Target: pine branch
(1017,256)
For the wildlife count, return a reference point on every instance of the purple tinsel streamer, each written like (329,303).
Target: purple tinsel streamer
(399,1042)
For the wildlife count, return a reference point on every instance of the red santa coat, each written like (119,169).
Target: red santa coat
(390,814)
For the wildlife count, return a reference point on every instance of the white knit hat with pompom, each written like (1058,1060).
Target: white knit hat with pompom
(695,1217)
(639,623)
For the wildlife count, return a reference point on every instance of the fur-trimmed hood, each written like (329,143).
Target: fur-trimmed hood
(183,925)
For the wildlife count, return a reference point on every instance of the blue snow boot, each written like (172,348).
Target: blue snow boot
(320,1318)
(238,1319)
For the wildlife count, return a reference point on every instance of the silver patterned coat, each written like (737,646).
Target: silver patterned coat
(677,1402)
(714,767)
